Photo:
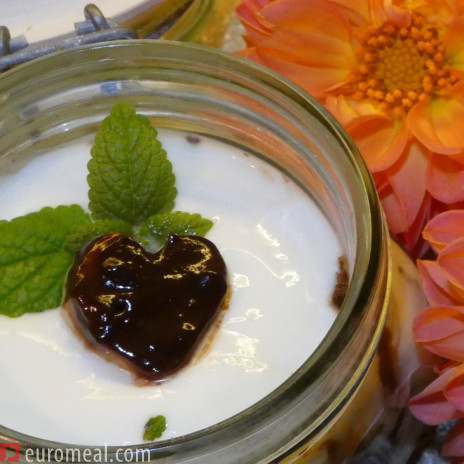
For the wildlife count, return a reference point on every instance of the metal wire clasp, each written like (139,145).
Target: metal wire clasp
(96,28)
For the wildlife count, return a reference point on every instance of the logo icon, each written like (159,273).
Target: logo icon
(9,452)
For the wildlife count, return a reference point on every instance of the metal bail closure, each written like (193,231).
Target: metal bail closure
(96,28)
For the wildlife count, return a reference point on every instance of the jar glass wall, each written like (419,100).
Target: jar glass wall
(213,94)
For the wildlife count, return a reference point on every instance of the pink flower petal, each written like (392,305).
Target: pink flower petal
(454,388)
(453,447)
(445,177)
(440,330)
(436,285)
(451,260)
(412,238)
(407,204)
(438,322)
(431,406)
(395,212)
(412,165)
(444,228)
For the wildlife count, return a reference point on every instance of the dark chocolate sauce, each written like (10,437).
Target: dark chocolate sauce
(146,312)
(341,287)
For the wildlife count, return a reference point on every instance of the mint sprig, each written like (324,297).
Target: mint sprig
(84,233)
(131,191)
(130,177)
(162,225)
(33,258)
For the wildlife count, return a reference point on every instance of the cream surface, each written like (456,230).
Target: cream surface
(282,258)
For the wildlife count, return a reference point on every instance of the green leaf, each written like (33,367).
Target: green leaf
(87,232)
(130,177)
(178,222)
(33,261)
(154,428)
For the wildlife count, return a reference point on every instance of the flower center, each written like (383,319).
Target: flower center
(397,67)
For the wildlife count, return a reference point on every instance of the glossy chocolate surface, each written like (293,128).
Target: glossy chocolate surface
(146,312)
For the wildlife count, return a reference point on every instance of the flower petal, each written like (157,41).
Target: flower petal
(256,26)
(453,447)
(431,406)
(444,228)
(387,10)
(394,209)
(451,260)
(302,48)
(434,122)
(445,177)
(454,388)
(436,285)
(411,238)
(412,165)
(315,79)
(380,139)
(346,110)
(440,330)
(453,42)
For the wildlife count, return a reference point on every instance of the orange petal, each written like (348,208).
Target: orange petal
(406,204)
(257,27)
(385,10)
(333,51)
(394,210)
(442,12)
(440,329)
(412,165)
(302,48)
(380,139)
(453,42)
(434,122)
(444,228)
(436,285)
(346,110)
(445,178)
(431,406)
(316,80)
(300,14)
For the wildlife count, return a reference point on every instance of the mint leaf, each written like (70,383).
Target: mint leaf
(177,222)
(130,177)
(154,428)
(87,232)
(33,261)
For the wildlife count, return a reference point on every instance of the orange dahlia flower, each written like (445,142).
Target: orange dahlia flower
(392,73)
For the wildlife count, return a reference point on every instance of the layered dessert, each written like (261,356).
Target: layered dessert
(284,265)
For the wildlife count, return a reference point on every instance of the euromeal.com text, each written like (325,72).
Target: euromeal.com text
(9,452)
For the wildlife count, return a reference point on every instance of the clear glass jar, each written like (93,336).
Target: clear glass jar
(50,20)
(350,396)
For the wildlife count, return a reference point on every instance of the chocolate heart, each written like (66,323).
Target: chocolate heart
(146,312)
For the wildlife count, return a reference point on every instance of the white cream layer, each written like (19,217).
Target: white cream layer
(282,258)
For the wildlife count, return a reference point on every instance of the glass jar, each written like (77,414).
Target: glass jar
(45,20)
(349,399)
(34,28)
